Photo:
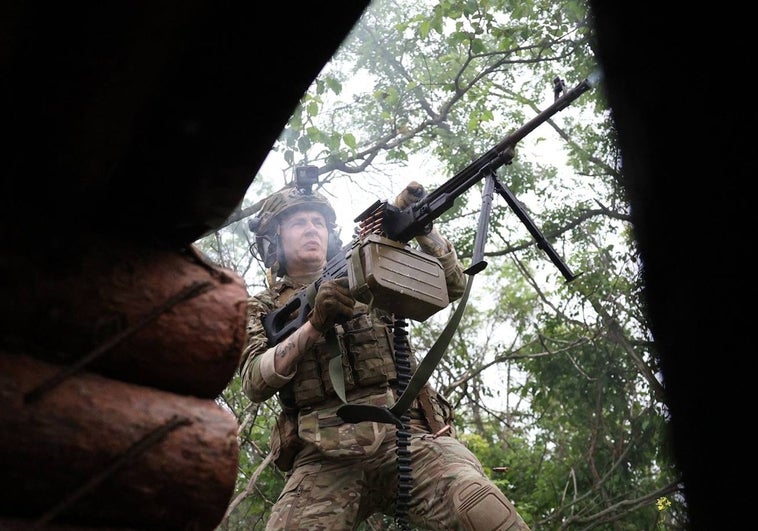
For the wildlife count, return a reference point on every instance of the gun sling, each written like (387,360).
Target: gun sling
(359,412)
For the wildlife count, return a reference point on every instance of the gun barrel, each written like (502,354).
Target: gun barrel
(403,225)
(415,219)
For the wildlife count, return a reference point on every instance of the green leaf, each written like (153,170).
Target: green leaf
(349,140)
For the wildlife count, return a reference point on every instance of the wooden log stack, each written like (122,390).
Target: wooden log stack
(108,382)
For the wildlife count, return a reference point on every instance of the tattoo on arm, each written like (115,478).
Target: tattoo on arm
(282,349)
(294,343)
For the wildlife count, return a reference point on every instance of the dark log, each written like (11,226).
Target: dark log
(99,452)
(20,524)
(158,317)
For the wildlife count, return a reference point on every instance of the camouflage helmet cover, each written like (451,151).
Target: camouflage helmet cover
(286,199)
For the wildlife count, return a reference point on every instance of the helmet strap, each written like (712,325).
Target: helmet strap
(280,261)
(271,276)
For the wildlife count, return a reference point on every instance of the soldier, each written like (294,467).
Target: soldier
(339,474)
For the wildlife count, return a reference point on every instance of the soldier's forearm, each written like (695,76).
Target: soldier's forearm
(291,349)
(434,243)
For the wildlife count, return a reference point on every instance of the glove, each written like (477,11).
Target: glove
(432,243)
(410,194)
(333,301)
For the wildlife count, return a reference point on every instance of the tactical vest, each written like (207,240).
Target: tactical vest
(365,345)
(368,365)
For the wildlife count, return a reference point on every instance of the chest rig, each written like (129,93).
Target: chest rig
(364,346)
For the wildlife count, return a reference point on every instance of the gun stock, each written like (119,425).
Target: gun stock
(402,225)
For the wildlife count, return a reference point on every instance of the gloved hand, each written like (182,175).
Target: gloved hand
(333,301)
(410,194)
(432,243)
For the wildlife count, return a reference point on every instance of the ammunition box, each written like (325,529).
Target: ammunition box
(396,278)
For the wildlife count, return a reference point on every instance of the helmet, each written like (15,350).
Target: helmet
(266,224)
(286,200)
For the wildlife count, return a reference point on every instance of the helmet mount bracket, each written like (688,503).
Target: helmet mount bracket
(305,177)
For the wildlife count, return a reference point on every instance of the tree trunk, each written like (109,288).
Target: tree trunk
(100,452)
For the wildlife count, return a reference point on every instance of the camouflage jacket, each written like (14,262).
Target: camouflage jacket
(261,381)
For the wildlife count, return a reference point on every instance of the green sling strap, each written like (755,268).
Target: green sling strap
(359,412)
(336,373)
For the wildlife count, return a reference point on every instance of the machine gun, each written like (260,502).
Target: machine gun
(386,229)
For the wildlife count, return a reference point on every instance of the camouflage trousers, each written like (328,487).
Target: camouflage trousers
(450,491)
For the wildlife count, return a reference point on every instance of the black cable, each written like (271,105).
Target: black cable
(403,436)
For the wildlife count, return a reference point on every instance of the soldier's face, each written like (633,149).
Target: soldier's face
(304,235)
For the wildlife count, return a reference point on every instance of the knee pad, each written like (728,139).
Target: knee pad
(481,506)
